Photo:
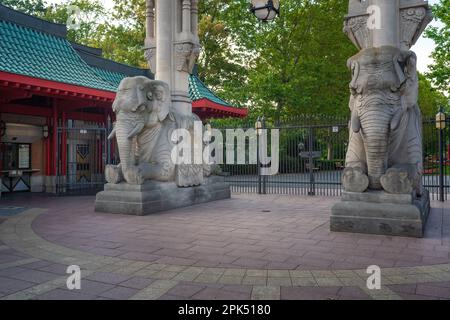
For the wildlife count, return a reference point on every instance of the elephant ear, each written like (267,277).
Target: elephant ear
(405,65)
(354,67)
(411,65)
(165,101)
(412,85)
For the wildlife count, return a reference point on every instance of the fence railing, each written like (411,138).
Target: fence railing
(312,153)
(312,158)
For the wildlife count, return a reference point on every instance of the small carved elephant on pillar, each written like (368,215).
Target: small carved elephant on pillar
(385,148)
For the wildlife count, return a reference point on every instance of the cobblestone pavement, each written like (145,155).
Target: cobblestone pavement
(249,247)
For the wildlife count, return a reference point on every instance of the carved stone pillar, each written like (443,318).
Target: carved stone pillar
(150,44)
(194,18)
(186,10)
(384,162)
(385,31)
(164,41)
(174,49)
(148,179)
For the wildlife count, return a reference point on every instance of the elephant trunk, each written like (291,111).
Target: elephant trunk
(125,132)
(375,125)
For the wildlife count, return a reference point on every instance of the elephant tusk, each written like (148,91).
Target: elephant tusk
(139,127)
(355,122)
(112,134)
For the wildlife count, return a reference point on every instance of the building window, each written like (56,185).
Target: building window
(16,156)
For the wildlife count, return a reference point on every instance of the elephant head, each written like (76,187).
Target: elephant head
(140,104)
(378,103)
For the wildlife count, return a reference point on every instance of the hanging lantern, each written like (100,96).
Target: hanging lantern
(265,10)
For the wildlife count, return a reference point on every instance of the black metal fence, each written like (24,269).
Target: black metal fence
(436,152)
(312,157)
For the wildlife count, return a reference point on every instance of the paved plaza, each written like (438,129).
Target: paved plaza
(248,247)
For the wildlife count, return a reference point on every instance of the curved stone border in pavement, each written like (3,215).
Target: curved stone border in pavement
(16,232)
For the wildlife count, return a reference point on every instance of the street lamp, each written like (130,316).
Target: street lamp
(258,126)
(440,125)
(265,10)
(440,120)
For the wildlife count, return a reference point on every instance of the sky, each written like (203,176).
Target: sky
(423,48)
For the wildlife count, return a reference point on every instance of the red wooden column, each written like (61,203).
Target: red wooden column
(112,116)
(48,160)
(55,139)
(63,156)
(1,150)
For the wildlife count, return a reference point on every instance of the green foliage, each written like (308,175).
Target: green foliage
(123,36)
(294,66)
(91,15)
(430,99)
(440,70)
(221,63)
(33,7)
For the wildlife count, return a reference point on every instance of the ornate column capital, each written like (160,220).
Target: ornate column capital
(186,54)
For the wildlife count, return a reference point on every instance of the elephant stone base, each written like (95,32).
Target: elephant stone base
(153,196)
(378,212)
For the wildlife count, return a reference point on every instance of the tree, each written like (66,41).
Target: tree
(430,99)
(293,66)
(123,37)
(297,63)
(440,70)
(32,7)
(89,21)
(221,64)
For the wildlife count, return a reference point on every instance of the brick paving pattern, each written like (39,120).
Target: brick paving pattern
(249,247)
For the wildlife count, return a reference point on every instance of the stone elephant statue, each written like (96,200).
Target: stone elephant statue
(385,146)
(142,128)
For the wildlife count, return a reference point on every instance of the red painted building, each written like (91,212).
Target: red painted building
(55,107)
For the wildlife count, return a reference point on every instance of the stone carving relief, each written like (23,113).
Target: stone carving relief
(414,17)
(356,29)
(412,20)
(143,129)
(186,54)
(385,126)
(385,145)
(150,56)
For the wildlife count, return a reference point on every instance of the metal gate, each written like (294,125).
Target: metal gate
(312,158)
(81,158)
(436,152)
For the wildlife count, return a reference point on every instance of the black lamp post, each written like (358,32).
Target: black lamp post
(440,125)
(265,10)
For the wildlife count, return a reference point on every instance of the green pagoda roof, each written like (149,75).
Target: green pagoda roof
(30,52)
(36,48)
(198,91)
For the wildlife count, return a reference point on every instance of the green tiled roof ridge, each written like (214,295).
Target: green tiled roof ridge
(112,87)
(198,90)
(112,77)
(30,52)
